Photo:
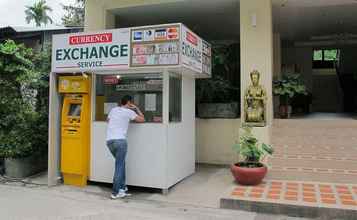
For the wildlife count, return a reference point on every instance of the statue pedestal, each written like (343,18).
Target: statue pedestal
(253,124)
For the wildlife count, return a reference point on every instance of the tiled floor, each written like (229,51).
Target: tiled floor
(301,193)
(315,149)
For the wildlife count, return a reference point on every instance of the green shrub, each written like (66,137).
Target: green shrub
(289,86)
(23,130)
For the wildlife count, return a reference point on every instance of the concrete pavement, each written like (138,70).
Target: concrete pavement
(70,203)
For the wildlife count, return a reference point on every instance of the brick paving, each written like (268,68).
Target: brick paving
(301,193)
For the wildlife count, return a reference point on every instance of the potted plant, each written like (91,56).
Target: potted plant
(250,171)
(287,88)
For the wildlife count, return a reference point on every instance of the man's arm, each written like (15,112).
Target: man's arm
(140,118)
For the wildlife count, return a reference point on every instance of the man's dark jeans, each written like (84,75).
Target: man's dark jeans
(118,148)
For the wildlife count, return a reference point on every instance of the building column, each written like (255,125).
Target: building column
(276,70)
(97,17)
(256,42)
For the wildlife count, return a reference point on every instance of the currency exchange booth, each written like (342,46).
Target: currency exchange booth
(157,66)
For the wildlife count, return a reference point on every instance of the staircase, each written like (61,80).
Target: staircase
(322,150)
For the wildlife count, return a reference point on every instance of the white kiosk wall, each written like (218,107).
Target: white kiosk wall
(159,154)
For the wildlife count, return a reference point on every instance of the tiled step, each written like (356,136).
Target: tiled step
(298,147)
(342,163)
(296,198)
(319,175)
(351,155)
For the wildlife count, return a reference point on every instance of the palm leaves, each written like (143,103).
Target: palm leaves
(74,15)
(38,13)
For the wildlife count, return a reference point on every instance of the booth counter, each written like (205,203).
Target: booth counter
(157,66)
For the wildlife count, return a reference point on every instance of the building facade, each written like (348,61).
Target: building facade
(275,37)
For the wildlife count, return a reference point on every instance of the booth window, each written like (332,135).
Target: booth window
(146,90)
(175,98)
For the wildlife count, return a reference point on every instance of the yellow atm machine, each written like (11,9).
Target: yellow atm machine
(75,128)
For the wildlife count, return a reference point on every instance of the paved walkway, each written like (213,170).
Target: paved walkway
(197,197)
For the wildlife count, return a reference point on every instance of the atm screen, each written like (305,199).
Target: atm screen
(74,110)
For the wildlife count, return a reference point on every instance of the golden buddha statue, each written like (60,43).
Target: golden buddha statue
(255,102)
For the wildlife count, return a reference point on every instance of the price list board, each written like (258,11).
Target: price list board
(206,58)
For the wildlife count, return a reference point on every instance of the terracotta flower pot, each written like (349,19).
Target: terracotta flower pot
(283,111)
(248,175)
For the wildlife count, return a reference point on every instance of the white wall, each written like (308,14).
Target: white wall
(145,159)
(181,137)
(215,139)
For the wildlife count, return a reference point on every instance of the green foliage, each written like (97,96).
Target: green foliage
(23,127)
(38,12)
(220,88)
(249,148)
(42,63)
(74,14)
(289,86)
(214,90)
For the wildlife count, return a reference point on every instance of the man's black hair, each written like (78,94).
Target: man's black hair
(126,99)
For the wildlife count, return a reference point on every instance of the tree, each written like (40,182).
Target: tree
(74,15)
(38,13)
(16,110)
(23,101)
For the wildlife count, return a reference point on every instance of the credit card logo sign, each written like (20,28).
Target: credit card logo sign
(149,35)
(191,38)
(138,36)
(172,33)
(160,34)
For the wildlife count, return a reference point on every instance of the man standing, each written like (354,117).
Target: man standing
(118,123)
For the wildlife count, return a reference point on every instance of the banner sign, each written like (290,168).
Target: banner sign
(171,45)
(80,52)
(191,50)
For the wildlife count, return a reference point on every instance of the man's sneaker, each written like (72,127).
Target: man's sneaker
(121,194)
(117,196)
